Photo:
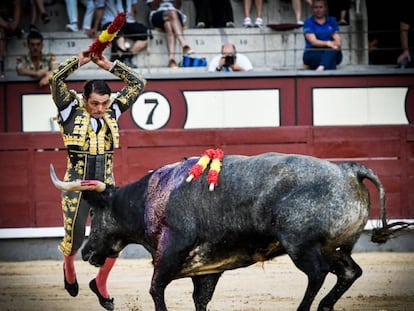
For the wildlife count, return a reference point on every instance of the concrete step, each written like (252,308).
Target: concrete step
(274,11)
(266,48)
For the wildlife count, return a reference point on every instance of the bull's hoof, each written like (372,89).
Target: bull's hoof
(72,289)
(107,303)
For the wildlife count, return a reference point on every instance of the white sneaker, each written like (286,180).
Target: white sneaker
(72,27)
(300,23)
(258,22)
(247,22)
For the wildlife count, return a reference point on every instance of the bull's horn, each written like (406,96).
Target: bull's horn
(92,185)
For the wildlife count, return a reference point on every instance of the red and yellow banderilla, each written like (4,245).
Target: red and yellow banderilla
(213,156)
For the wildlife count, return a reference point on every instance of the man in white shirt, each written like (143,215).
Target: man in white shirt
(230,60)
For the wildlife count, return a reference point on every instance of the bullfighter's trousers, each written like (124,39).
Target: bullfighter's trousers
(81,166)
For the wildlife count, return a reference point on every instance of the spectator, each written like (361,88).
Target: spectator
(214,13)
(340,10)
(297,9)
(89,128)
(72,11)
(406,58)
(383,38)
(10,13)
(37,7)
(322,39)
(259,11)
(166,15)
(36,64)
(92,18)
(230,60)
(90,23)
(132,30)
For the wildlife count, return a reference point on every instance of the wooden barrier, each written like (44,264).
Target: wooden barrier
(245,100)
(29,199)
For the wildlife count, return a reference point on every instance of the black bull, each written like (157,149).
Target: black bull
(264,206)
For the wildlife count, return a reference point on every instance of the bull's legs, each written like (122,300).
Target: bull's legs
(347,271)
(169,257)
(204,286)
(310,260)
(157,292)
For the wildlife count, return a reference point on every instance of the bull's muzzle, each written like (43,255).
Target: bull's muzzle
(91,257)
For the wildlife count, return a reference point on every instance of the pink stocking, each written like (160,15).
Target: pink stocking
(70,273)
(102,276)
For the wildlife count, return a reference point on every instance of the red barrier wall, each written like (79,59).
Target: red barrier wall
(295,92)
(29,199)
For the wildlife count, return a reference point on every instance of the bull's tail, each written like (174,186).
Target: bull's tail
(380,235)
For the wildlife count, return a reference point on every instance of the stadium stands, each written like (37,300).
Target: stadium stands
(268,49)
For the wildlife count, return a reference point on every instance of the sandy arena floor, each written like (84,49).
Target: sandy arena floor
(387,284)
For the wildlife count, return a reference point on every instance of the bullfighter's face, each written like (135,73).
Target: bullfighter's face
(96,104)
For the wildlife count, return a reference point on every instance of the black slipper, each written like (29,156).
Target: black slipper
(107,303)
(72,289)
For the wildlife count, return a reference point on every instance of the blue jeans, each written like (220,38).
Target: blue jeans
(72,11)
(328,58)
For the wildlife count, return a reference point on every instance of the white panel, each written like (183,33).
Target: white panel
(359,106)
(37,113)
(387,105)
(235,108)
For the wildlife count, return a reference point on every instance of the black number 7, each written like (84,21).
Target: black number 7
(151,114)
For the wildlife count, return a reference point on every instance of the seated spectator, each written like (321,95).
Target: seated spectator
(230,60)
(37,8)
(322,39)
(247,6)
(132,30)
(166,15)
(213,13)
(406,58)
(297,9)
(36,64)
(10,13)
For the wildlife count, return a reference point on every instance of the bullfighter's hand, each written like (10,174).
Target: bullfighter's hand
(84,57)
(102,61)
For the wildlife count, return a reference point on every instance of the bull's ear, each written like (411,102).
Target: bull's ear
(81,185)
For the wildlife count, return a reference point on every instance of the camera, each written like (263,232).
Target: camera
(229,60)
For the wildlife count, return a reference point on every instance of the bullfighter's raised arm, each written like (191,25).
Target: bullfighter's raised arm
(63,97)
